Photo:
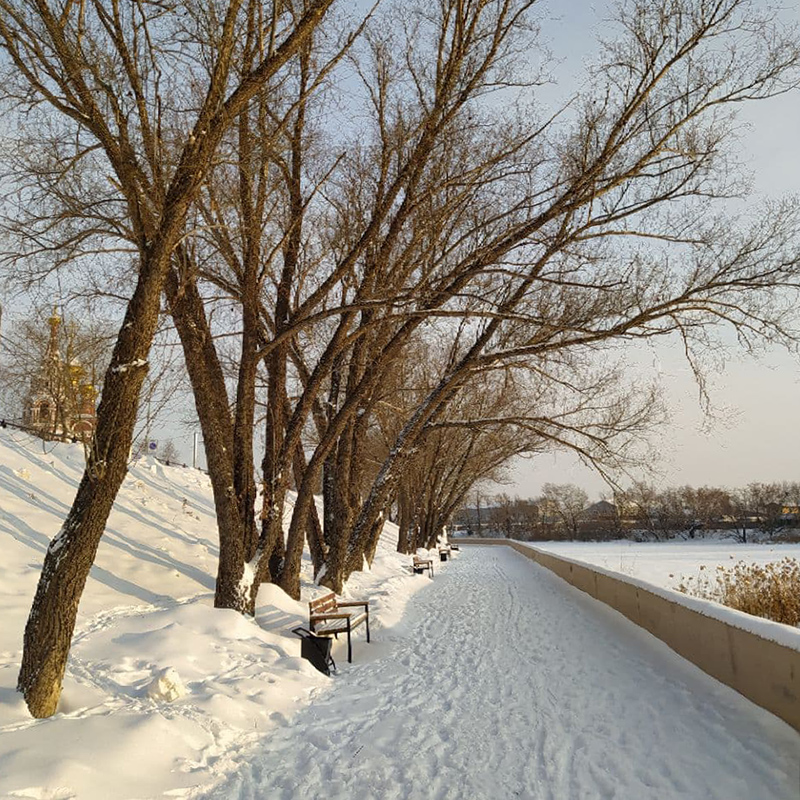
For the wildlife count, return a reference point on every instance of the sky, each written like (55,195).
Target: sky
(754,433)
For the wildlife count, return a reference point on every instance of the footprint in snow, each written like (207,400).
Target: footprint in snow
(320,741)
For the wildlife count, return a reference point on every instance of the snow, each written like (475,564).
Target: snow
(666,564)
(659,566)
(148,611)
(495,679)
(167,686)
(525,687)
(121,368)
(246,581)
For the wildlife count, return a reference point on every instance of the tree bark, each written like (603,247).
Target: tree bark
(314,533)
(211,402)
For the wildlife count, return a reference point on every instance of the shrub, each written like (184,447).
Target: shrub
(765,590)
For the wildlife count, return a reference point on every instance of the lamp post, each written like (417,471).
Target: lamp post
(195,441)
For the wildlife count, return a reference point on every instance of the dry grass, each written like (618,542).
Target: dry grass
(765,590)
(788,537)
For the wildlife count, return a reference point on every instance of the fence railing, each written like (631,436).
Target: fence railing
(47,436)
(41,433)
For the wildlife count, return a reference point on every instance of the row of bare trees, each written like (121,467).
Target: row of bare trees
(563,511)
(389,266)
(688,511)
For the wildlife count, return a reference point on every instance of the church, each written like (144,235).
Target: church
(61,401)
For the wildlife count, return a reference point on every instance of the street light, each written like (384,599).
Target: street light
(194,449)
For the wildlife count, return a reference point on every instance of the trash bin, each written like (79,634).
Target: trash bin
(443,555)
(316,649)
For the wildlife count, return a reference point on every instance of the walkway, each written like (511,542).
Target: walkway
(504,682)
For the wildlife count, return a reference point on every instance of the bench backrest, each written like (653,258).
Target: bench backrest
(321,605)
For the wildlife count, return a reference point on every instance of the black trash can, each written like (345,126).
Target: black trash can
(316,649)
(443,555)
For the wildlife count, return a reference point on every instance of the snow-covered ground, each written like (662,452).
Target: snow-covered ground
(666,564)
(147,608)
(504,682)
(493,680)
(661,567)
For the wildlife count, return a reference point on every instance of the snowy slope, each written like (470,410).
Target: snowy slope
(147,607)
(493,680)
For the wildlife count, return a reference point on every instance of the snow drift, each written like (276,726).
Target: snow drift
(154,670)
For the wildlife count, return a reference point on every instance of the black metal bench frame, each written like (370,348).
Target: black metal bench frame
(329,601)
(419,565)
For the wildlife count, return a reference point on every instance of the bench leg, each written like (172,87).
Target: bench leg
(349,645)
(367,623)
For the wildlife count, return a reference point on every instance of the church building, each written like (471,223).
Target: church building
(61,402)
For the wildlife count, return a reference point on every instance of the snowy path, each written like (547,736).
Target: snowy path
(504,682)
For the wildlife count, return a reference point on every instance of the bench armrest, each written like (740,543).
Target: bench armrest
(364,603)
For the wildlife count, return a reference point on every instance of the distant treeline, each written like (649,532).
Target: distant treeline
(642,511)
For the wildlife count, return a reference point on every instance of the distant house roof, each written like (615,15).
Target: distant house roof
(600,509)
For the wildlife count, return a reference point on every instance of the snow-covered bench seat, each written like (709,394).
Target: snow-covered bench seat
(421,564)
(330,617)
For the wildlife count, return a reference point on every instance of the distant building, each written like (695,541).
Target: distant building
(599,520)
(61,401)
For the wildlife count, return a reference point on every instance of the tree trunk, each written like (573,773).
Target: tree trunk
(314,535)
(48,632)
(211,402)
(404,523)
(275,476)
(244,481)
(375,538)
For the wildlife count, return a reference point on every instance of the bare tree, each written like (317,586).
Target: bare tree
(247,244)
(99,73)
(503,516)
(707,506)
(168,452)
(564,506)
(662,513)
(621,245)
(528,245)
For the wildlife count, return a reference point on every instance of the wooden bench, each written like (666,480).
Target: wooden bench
(327,617)
(454,546)
(421,564)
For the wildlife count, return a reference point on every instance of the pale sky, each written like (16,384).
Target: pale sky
(755,435)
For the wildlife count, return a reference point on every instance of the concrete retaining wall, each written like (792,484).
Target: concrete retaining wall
(765,672)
